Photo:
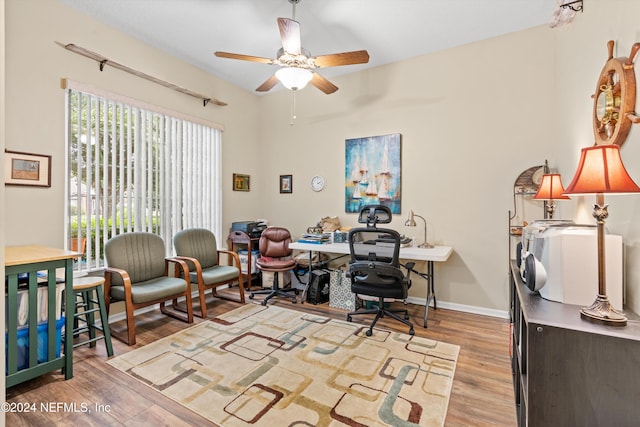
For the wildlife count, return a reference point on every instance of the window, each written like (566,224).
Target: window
(133,168)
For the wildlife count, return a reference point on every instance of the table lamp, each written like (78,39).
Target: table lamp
(411,222)
(550,189)
(601,172)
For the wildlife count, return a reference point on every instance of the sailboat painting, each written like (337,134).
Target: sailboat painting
(372,172)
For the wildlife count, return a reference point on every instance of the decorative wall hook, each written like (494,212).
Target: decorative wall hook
(576,6)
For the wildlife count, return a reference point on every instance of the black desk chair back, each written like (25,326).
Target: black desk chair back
(375,266)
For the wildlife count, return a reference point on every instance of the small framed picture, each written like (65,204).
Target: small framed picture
(241,182)
(32,170)
(286,183)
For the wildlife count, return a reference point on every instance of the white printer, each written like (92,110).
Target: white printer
(560,261)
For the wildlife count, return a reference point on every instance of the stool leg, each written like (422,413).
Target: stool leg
(104,319)
(79,300)
(91,318)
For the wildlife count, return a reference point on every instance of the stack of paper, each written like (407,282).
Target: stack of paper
(315,238)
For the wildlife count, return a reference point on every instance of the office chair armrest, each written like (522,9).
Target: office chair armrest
(409,266)
(407,281)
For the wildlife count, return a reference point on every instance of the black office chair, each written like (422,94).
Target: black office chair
(375,265)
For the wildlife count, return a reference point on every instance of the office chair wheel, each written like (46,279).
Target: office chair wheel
(294,300)
(264,302)
(250,296)
(369,332)
(406,317)
(412,332)
(349,319)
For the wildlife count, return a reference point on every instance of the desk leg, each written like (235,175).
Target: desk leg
(431,293)
(249,265)
(303,298)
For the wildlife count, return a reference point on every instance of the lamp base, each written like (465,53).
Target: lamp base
(425,245)
(601,311)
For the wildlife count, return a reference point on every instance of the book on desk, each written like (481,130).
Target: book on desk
(315,238)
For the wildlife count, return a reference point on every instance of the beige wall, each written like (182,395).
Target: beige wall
(35,120)
(580,54)
(461,114)
(471,118)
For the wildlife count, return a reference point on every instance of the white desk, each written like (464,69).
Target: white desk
(412,253)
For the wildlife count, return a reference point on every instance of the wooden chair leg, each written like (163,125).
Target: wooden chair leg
(131,327)
(241,290)
(189,305)
(203,302)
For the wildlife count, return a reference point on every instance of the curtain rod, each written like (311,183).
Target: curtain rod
(105,61)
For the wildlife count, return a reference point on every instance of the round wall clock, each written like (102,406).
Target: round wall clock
(317,183)
(615,98)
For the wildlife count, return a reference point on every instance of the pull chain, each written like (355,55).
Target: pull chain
(293,108)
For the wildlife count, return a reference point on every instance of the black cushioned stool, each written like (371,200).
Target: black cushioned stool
(89,294)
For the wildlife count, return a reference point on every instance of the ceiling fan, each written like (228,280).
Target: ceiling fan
(297,66)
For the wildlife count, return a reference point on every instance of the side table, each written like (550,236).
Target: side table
(29,261)
(241,238)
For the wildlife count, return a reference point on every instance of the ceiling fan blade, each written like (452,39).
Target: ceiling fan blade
(244,57)
(344,58)
(323,84)
(268,84)
(290,35)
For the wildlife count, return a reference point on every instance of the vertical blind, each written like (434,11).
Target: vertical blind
(134,169)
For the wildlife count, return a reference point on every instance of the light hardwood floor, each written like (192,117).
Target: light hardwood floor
(482,392)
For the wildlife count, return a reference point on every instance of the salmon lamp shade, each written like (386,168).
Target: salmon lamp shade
(601,171)
(551,188)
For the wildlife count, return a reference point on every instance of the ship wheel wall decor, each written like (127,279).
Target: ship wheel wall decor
(614,99)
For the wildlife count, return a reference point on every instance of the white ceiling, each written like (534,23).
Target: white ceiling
(391,30)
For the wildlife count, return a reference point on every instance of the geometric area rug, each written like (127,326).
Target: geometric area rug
(270,366)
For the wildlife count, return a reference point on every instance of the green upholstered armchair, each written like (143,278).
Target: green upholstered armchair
(198,248)
(137,273)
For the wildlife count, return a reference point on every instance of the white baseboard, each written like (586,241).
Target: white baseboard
(411,300)
(462,307)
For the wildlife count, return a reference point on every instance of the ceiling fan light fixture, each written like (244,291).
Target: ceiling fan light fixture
(294,78)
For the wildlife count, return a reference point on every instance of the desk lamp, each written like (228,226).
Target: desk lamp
(550,189)
(411,222)
(601,171)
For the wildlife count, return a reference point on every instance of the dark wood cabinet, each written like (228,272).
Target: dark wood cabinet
(568,371)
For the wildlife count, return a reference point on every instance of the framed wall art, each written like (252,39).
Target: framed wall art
(241,182)
(286,183)
(28,169)
(372,172)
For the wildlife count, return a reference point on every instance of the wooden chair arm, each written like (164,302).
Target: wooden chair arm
(183,265)
(232,254)
(195,262)
(126,282)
